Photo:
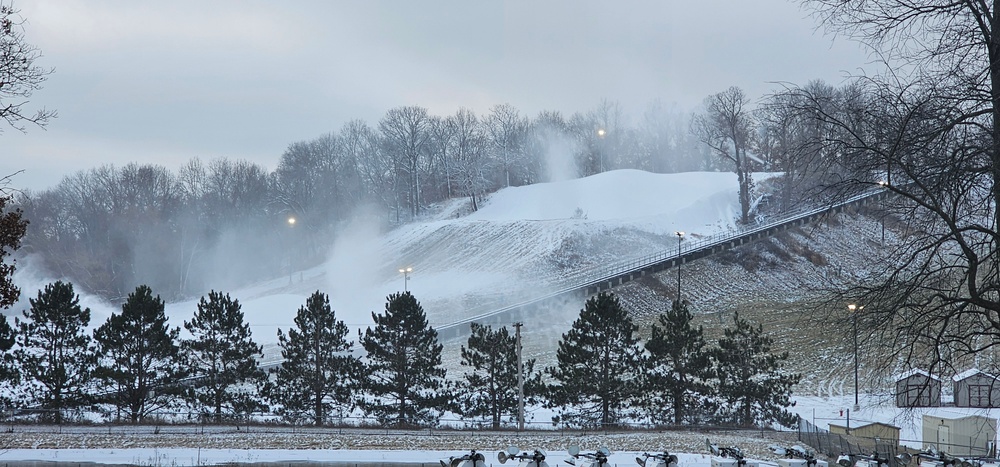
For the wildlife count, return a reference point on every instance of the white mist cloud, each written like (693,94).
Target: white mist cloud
(560,156)
(355,271)
(31,279)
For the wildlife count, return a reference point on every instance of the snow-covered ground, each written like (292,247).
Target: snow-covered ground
(428,447)
(193,457)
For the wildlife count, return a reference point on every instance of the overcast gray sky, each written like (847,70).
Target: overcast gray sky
(163,82)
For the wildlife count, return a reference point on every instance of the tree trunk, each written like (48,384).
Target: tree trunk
(993,48)
(678,406)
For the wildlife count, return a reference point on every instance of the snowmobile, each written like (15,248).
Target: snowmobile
(597,458)
(526,459)
(663,459)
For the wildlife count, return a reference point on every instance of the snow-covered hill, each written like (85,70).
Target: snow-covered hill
(521,239)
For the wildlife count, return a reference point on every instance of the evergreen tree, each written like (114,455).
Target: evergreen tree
(56,352)
(223,353)
(8,369)
(490,389)
(678,366)
(752,385)
(404,372)
(599,365)
(139,356)
(12,230)
(318,373)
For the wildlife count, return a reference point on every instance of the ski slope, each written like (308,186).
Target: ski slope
(520,240)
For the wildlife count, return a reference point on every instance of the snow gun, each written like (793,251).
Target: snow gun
(663,459)
(931,457)
(796,456)
(472,459)
(525,459)
(872,460)
(597,458)
(731,452)
(728,457)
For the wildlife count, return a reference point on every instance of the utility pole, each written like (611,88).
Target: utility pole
(680,235)
(855,310)
(520,378)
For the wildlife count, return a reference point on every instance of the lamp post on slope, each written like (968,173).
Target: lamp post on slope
(601,132)
(885,185)
(680,235)
(854,309)
(406,277)
(290,250)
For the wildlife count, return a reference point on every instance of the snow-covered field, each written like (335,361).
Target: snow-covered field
(194,445)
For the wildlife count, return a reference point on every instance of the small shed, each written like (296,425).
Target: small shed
(918,388)
(973,435)
(973,388)
(882,431)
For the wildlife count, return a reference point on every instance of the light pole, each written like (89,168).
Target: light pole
(291,261)
(884,184)
(600,149)
(406,276)
(679,235)
(520,378)
(854,317)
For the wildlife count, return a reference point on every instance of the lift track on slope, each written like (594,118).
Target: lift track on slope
(589,282)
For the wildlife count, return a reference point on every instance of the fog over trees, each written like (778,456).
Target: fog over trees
(111,228)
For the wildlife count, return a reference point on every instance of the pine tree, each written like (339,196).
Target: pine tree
(599,365)
(222,352)
(139,356)
(752,385)
(490,389)
(56,351)
(404,372)
(12,230)
(9,372)
(318,374)
(678,367)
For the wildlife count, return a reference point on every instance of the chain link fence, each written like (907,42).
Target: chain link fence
(834,445)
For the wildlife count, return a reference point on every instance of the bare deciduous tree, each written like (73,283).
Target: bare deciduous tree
(726,127)
(505,128)
(929,131)
(20,76)
(406,130)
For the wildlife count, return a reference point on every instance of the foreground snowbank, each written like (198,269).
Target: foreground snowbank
(194,457)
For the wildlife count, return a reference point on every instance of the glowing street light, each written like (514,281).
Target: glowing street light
(291,265)
(601,132)
(406,276)
(855,309)
(679,235)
